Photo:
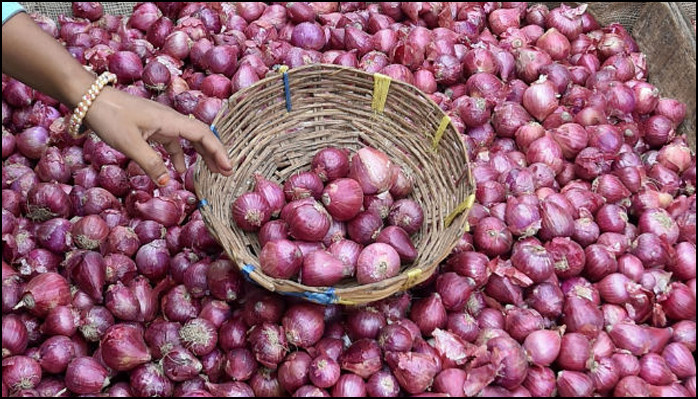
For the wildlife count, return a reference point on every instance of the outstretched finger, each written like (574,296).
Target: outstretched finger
(205,142)
(176,155)
(150,161)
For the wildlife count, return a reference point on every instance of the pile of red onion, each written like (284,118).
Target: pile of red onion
(577,277)
(347,217)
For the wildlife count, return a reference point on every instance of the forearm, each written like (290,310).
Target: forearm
(38,60)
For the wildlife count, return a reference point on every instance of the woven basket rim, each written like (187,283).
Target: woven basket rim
(408,277)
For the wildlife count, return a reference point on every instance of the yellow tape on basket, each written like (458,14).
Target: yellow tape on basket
(341,301)
(381,86)
(412,276)
(440,131)
(462,207)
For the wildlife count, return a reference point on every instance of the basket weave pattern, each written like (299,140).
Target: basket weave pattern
(338,106)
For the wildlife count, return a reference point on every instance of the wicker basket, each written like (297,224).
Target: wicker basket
(276,126)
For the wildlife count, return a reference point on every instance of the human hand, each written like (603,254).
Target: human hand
(127,123)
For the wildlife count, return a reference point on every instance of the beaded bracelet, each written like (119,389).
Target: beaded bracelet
(84,105)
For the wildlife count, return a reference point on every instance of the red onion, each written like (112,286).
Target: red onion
(582,316)
(308,222)
(126,65)
(675,157)
(293,372)
(684,332)
(324,371)
(149,380)
(630,337)
(251,211)
(309,36)
(568,257)
(303,185)
(180,365)
(508,355)
(574,384)
(382,383)
(413,371)
(529,62)
(45,292)
(626,364)
(650,249)
(216,86)
(349,385)
(504,18)
(153,259)
(543,346)
(632,386)
(659,222)
(654,370)
(574,352)
(220,59)
(304,325)
(348,252)
(372,169)
(425,81)
(377,262)
(658,131)
(365,227)
(683,266)
(679,360)
(567,20)
(672,109)
(398,72)
(195,279)
(555,221)
(199,335)
(268,344)
(149,230)
(379,204)
(533,260)
(124,348)
(320,268)
(122,302)
(223,280)
(94,322)
(539,99)
(96,200)
(90,232)
(336,232)
(232,333)
(343,198)
(15,337)
(330,163)
(46,201)
(473,110)
(263,307)
(85,375)
(400,241)
(280,259)
(250,11)
(429,313)
(17,94)
(61,320)
(679,300)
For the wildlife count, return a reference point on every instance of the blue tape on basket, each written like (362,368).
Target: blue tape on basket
(202,203)
(215,131)
(324,298)
(287,91)
(246,270)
